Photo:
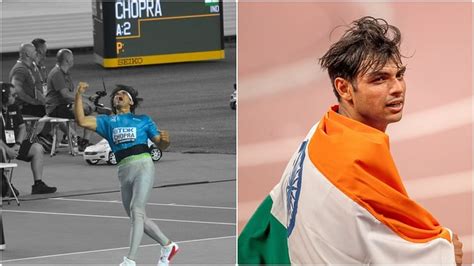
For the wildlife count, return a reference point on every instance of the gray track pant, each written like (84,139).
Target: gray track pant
(136,182)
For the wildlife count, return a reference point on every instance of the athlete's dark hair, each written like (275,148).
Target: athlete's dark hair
(131,91)
(369,44)
(6,87)
(37,42)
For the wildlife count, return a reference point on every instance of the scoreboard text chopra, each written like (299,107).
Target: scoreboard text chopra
(134,9)
(145,32)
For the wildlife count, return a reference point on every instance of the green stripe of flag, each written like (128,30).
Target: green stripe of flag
(264,239)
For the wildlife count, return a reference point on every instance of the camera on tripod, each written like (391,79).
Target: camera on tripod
(99,107)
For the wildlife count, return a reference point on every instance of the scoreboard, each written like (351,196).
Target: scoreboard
(144,32)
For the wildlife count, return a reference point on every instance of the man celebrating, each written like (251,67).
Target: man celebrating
(127,135)
(341,199)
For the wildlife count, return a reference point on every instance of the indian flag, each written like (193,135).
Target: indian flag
(341,201)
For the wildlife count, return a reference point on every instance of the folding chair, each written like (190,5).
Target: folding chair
(55,121)
(10,175)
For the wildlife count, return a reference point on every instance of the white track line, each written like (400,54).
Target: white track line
(257,154)
(413,125)
(440,186)
(113,249)
(151,204)
(433,120)
(116,217)
(275,80)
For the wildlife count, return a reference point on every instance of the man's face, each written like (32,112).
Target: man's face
(70,60)
(12,96)
(121,99)
(32,55)
(41,52)
(380,95)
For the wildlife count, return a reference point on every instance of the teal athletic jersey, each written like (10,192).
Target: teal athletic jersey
(123,131)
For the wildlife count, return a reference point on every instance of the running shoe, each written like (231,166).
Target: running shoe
(127,262)
(167,253)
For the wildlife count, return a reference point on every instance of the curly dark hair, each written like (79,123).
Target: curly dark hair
(131,91)
(369,43)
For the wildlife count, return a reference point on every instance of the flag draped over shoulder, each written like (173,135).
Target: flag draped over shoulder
(341,200)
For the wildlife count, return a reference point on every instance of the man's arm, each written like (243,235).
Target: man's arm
(70,98)
(21,133)
(3,145)
(59,83)
(11,153)
(40,97)
(88,122)
(457,249)
(162,141)
(67,95)
(21,92)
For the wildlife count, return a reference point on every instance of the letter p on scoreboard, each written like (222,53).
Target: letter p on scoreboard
(146,32)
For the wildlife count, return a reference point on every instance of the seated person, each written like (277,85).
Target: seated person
(5,187)
(14,140)
(60,95)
